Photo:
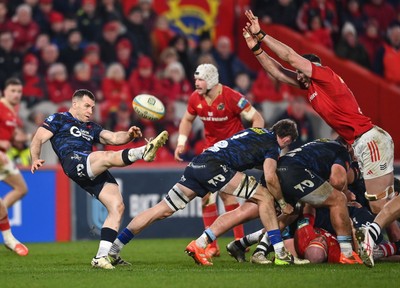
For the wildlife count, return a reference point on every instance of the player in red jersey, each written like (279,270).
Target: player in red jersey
(9,173)
(221,110)
(335,103)
(9,240)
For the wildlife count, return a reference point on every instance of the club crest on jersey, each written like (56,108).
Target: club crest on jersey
(221,106)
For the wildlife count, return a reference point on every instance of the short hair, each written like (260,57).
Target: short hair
(12,81)
(83,92)
(285,127)
(312,57)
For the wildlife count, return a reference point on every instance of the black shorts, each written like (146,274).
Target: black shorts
(205,175)
(75,167)
(297,182)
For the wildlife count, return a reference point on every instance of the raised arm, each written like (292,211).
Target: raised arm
(41,136)
(283,51)
(120,137)
(184,130)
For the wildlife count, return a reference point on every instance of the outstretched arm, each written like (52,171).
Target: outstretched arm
(283,51)
(41,136)
(120,137)
(184,130)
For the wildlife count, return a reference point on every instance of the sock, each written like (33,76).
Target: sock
(276,240)
(203,240)
(210,214)
(238,231)
(263,245)
(135,154)
(123,238)
(345,245)
(374,231)
(107,236)
(4,223)
(251,239)
(389,249)
(8,237)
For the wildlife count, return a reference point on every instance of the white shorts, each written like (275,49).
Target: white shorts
(375,153)
(8,169)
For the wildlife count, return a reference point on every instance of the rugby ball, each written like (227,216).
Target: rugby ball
(148,107)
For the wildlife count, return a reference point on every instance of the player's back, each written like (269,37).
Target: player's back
(318,156)
(246,149)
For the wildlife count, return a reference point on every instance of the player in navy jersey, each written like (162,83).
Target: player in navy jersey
(219,168)
(72,136)
(304,174)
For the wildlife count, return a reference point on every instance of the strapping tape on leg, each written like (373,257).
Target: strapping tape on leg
(247,187)
(388,193)
(176,199)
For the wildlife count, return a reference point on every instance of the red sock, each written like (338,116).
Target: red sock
(389,249)
(210,214)
(4,224)
(238,231)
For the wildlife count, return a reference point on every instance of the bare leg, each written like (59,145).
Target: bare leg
(19,189)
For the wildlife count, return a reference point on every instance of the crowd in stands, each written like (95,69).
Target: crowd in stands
(58,46)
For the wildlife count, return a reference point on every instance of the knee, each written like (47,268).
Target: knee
(22,189)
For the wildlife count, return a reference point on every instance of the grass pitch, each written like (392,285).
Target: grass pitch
(162,263)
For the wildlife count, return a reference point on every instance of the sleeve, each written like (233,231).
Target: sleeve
(96,132)
(237,101)
(192,103)
(53,122)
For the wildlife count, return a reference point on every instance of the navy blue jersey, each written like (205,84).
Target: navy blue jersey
(317,156)
(70,134)
(244,150)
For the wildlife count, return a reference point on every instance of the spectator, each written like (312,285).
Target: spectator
(382,11)
(115,90)
(24,29)
(57,32)
(161,35)
(270,96)
(97,67)
(48,56)
(81,78)
(126,55)
(167,56)
(4,19)
(325,9)
(34,87)
(142,79)
(229,65)
(181,45)
(204,46)
(371,39)
(176,86)
(243,85)
(297,111)
(110,10)
(137,31)
(70,7)
(283,12)
(10,60)
(58,86)
(350,48)
(19,152)
(108,42)
(318,34)
(353,14)
(41,15)
(89,22)
(387,61)
(41,41)
(148,13)
(72,53)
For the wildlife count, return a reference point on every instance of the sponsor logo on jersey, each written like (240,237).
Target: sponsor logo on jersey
(258,130)
(214,119)
(242,102)
(312,96)
(50,118)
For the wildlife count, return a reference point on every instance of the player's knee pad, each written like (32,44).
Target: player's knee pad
(176,199)
(387,194)
(247,187)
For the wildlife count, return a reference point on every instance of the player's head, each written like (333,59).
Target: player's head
(286,130)
(317,250)
(301,77)
(13,91)
(207,73)
(83,102)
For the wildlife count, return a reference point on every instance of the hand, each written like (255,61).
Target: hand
(36,165)
(287,209)
(179,150)
(135,132)
(250,40)
(253,26)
